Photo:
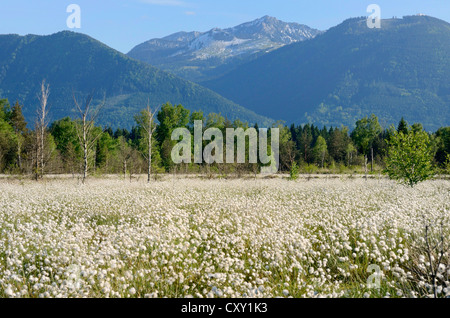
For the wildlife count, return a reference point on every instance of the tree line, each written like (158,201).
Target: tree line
(80,147)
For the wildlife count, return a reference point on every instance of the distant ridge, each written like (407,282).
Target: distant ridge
(76,62)
(350,71)
(200,56)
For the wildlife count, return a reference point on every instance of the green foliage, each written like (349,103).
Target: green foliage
(442,144)
(447,165)
(4,109)
(197,115)
(367,129)
(125,152)
(410,156)
(170,117)
(350,152)
(295,171)
(310,168)
(8,137)
(320,150)
(64,133)
(215,120)
(403,126)
(402,69)
(72,61)
(338,142)
(106,151)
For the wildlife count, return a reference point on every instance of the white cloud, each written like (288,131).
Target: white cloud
(172,3)
(189,13)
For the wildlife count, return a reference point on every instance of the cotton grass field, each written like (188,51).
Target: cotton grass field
(223,238)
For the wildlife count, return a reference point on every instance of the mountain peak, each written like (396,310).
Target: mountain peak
(192,56)
(267,18)
(350,71)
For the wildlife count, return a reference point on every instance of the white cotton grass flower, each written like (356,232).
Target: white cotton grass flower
(9,292)
(172,238)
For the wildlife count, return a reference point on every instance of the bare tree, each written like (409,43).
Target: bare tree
(429,275)
(125,153)
(146,121)
(85,133)
(41,126)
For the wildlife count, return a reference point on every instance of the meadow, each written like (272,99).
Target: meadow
(181,237)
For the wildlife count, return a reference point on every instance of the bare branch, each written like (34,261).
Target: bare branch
(88,116)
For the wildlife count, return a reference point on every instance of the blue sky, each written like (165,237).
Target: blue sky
(122,24)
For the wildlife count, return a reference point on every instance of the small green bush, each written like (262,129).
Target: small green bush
(295,171)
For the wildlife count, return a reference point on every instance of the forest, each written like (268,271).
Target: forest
(77,145)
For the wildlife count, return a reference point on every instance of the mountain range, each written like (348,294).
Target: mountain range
(264,70)
(352,71)
(200,56)
(76,64)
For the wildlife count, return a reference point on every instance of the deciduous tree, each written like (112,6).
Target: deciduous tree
(410,157)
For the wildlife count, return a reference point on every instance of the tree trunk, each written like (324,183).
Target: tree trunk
(37,155)
(42,151)
(365,167)
(371,163)
(85,165)
(19,156)
(85,148)
(149,156)
(306,157)
(36,177)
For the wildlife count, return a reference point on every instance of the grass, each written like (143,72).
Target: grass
(215,238)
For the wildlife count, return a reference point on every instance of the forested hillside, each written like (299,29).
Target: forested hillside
(351,71)
(75,63)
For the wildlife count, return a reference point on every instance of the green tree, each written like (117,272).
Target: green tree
(338,143)
(350,152)
(198,115)
(288,153)
(304,141)
(364,135)
(442,140)
(170,117)
(215,120)
(417,127)
(106,152)
(447,165)
(20,129)
(410,156)
(293,174)
(402,126)
(320,150)
(7,135)
(7,142)
(125,153)
(64,132)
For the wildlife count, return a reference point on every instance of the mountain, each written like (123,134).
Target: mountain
(200,56)
(401,69)
(72,62)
